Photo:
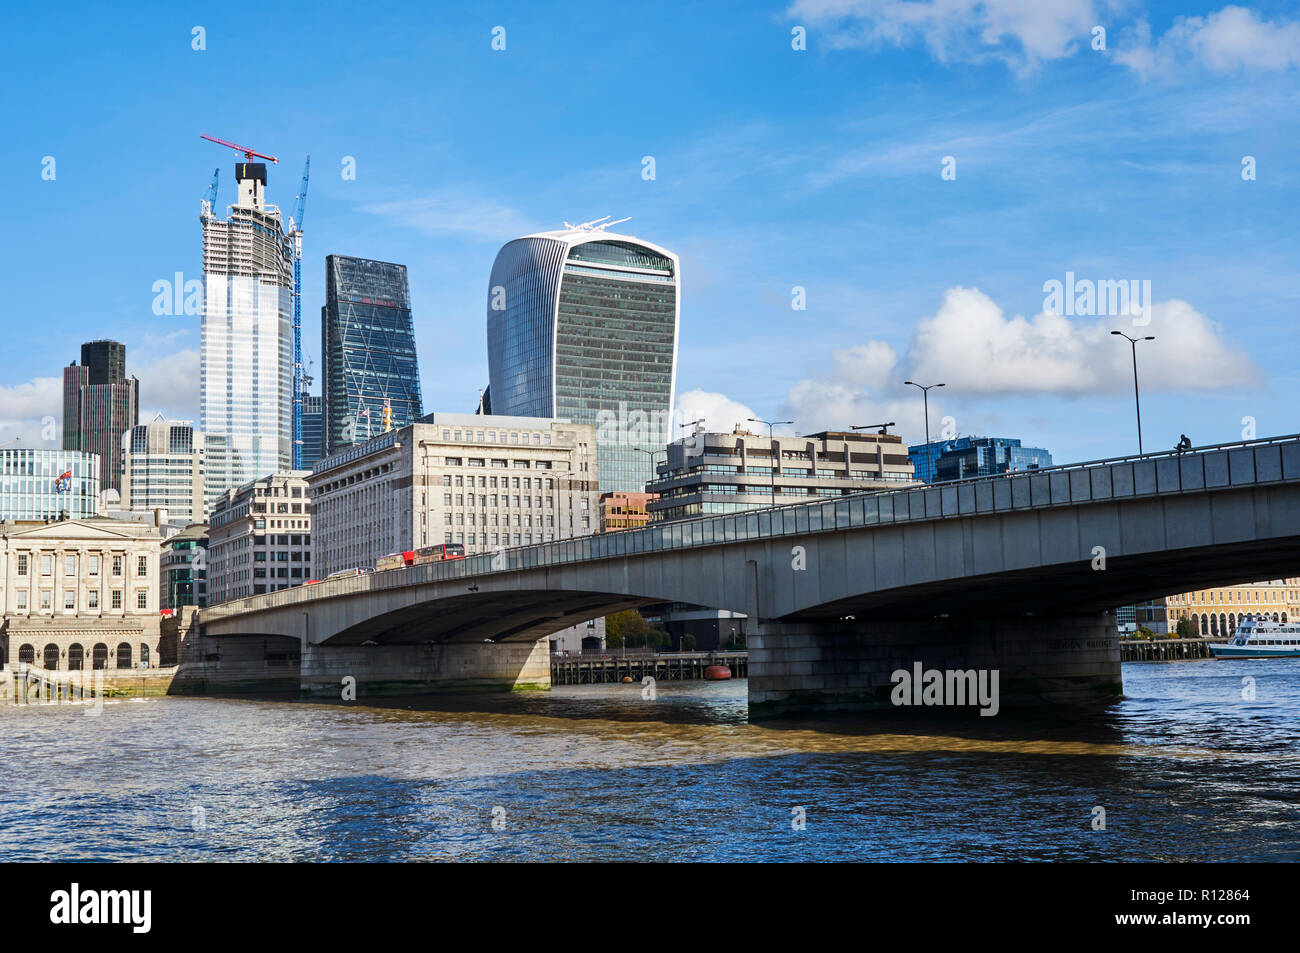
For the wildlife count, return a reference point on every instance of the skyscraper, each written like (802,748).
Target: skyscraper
(582,324)
(246,378)
(100,403)
(313,430)
(368,351)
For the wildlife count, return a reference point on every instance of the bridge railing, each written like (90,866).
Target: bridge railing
(1222,466)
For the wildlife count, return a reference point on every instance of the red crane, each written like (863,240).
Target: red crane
(248,153)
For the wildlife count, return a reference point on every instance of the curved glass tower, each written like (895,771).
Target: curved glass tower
(582,324)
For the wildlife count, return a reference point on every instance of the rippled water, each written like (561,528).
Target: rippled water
(1184,767)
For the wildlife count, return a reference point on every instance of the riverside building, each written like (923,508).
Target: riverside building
(486,482)
(79,594)
(260,538)
(162,468)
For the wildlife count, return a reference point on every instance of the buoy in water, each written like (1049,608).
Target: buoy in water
(716,673)
(627,679)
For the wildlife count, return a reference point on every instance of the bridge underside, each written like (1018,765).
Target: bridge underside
(485,616)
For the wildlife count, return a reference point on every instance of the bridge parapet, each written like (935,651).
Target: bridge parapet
(1261,462)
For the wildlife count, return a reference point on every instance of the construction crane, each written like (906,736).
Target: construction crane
(299,379)
(212,189)
(249,154)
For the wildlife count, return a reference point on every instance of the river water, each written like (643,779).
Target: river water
(1184,768)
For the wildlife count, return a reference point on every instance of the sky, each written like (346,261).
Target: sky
(862,192)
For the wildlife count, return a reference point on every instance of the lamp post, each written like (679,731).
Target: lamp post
(1137,404)
(652,454)
(929,452)
(770,424)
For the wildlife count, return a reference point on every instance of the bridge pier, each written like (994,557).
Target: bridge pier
(809,667)
(426,668)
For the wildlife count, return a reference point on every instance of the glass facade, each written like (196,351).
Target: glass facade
(966,457)
(313,430)
(368,348)
(583,326)
(31,488)
(246,374)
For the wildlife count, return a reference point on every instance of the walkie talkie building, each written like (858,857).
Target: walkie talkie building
(582,324)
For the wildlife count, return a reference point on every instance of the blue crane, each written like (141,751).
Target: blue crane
(295,229)
(212,190)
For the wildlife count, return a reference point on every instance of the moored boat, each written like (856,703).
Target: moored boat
(1259,638)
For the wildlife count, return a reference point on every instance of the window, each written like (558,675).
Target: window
(47,599)
(22,564)
(117,598)
(69,565)
(117,565)
(20,599)
(93,565)
(142,598)
(92,599)
(69,599)
(47,564)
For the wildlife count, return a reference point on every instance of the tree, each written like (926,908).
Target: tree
(1145,633)
(1184,629)
(627,628)
(688,642)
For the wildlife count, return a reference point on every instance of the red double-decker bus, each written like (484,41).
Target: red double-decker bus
(426,554)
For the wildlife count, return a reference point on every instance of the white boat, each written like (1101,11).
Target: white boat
(1258,638)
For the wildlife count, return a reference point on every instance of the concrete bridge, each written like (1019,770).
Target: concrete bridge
(1019,573)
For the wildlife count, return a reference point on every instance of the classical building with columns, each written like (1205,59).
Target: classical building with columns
(79,594)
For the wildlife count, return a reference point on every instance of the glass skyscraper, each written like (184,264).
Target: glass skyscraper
(582,324)
(313,430)
(368,351)
(246,375)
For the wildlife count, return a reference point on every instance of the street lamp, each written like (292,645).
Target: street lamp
(1133,343)
(770,425)
(929,452)
(652,454)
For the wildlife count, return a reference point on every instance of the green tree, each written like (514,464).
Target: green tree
(1184,629)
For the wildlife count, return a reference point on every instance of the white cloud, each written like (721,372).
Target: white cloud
(169,385)
(972,346)
(1020,33)
(450,214)
(27,412)
(719,413)
(1231,40)
(976,350)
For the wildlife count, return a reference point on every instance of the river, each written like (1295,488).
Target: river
(1184,768)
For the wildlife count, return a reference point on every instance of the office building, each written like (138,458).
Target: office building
(162,469)
(259,538)
(965,457)
(486,482)
(79,594)
(620,511)
(582,325)
(183,569)
(313,430)
(710,473)
(100,403)
(370,378)
(705,474)
(246,373)
(48,484)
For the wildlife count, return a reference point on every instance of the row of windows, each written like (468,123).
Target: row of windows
(70,599)
(493,436)
(70,565)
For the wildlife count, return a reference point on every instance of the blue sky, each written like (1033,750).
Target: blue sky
(774,168)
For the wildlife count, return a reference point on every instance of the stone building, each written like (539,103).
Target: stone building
(259,538)
(79,594)
(619,510)
(1218,611)
(486,482)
